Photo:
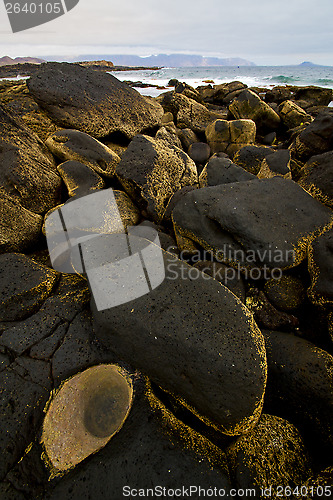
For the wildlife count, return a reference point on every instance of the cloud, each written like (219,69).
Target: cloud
(287,31)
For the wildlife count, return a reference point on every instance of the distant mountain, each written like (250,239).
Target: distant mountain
(8,61)
(308,63)
(166,60)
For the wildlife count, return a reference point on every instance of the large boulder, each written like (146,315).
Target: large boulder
(316,96)
(223,93)
(250,157)
(292,115)
(192,337)
(272,455)
(151,172)
(277,163)
(235,222)
(78,146)
(79,178)
(249,105)
(315,139)
(188,113)
(222,171)
(27,169)
(278,94)
(230,136)
(92,101)
(299,386)
(317,177)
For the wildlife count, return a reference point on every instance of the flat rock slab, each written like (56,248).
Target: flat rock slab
(27,169)
(24,286)
(76,145)
(196,340)
(254,223)
(151,172)
(93,102)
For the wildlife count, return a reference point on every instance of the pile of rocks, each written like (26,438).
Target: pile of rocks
(229,359)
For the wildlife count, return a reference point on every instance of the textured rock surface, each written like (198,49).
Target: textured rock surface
(315,139)
(299,387)
(81,147)
(286,293)
(79,178)
(320,265)
(230,136)
(249,105)
(235,221)
(316,96)
(250,157)
(272,454)
(292,115)
(278,163)
(27,174)
(222,171)
(317,177)
(93,102)
(152,172)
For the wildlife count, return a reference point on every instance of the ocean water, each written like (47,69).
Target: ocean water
(252,76)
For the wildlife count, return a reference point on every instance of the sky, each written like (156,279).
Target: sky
(266,32)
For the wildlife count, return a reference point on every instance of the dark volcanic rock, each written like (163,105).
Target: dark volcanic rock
(78,146)
(225,275)
(223,171)
(175,335)
(278,163)
(317,177)
(20,229)
(317,138)
(187,112)
(250,157)
(93,102)
(187,137)
(321,269)
(24,286)
(152,450)
(27,169)
(299,387)
(292,115)
(272,454)
(79,178)
(235,222)
(316,96)
(151,172)
(287,293)
(199,152)
(249,105)
(278,95)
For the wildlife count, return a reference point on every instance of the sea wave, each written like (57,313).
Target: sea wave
(324,81)
(284,79)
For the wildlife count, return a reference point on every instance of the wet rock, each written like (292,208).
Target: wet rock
(320,265)
(93,102)
(230,136)
(145,332)
(151,173)
(248,105)
(316,96)
(79,178)
(278,95)
(277,163)
(235,222)
(286,293)
(20,229)
(299,386)
(223,171)
(272,454)
(250,157)
(85,413)
(199,152)
(24,286)
(153,448)
(188,113)
(28,175)
(315,139)
(292,115)
(317,177)
(81,147)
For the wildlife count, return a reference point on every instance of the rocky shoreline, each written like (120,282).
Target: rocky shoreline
(228,360)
